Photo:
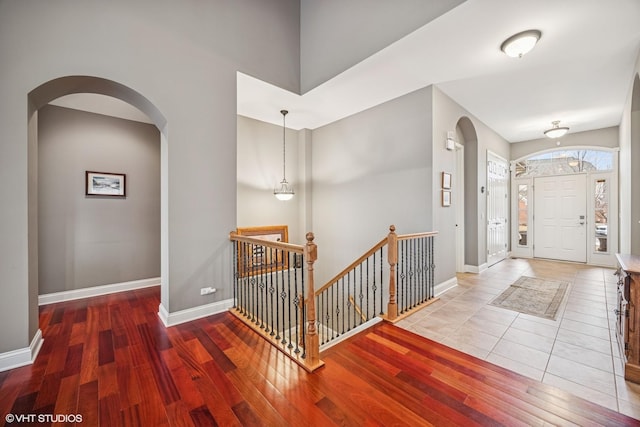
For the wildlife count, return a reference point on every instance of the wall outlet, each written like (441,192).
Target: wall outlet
(207,291)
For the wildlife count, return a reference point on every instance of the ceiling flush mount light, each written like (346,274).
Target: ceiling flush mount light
(283,191)
(519,44)
(556,130)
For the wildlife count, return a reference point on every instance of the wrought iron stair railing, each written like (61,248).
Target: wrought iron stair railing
(354,296)
(274,290)
(271,280)
(415,272)
(359,294)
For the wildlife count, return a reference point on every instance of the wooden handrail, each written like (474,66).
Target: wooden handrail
(351,266)
(308,324)
(416,235)
(299,249)
(357,308)
(257,320)
(370,252)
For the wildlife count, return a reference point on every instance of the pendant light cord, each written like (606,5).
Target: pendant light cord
(284,132)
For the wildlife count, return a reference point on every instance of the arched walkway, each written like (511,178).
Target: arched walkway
(38,98)
(467,211)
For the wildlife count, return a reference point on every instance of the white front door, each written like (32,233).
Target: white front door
(497,208)
(560,216)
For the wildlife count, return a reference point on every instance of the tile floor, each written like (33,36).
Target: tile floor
(577,351)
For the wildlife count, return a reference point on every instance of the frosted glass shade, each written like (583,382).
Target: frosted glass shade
(519,44)
(284,191)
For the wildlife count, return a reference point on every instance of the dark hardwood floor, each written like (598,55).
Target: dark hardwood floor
(110,360)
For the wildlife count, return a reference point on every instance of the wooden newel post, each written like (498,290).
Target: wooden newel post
(392,245)
(312,346)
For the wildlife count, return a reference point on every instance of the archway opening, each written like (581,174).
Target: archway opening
(466,152)
(631,164)
(39,98)
(467,207)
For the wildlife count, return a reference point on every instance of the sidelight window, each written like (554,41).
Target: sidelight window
(601,215)
(523,214)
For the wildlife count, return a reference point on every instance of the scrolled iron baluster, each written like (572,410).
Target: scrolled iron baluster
(433,266)
(262,297)
(283,295)
(403,276)
(337,331)
(275,295)
(350,308)
(425,281)
(360,294)
(234,251)
(367,289)
(422,281)
(381,281)
(290,346)
(344,307)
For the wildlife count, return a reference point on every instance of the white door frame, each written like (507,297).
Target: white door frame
(593,258)
(605,258)
(518,250)
(459,204)
(500,206)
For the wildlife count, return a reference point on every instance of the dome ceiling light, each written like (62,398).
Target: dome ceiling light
(519,44)
(556,130)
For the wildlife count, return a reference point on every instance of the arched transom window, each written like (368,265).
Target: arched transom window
(564,161)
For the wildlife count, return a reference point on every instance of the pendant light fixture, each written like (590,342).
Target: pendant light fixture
(519,44)
(556,130)
(283,191)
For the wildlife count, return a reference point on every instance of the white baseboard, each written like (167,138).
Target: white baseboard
(351,333)
(445,286)
(21,357)
(475,269)
(95,291)
(182,316)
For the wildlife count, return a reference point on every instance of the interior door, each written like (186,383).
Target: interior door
(560,216)
(497,208)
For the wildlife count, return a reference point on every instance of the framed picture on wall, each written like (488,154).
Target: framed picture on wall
(446,180)
(446,198)
(256,258)
(105,184)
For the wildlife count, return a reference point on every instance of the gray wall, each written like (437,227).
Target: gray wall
(87,240)
(629,138)
(376,168)
(607,137)
(337,35)
(371,170)
(635,174)
(182,59)
(470,141)
(446,116)
(634,158)
(260,170)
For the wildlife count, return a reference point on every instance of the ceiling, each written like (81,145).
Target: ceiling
(579,73)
